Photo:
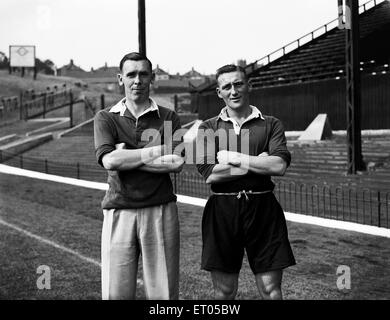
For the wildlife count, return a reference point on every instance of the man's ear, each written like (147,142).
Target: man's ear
(218,92)
(153,78)
(120,80)
(250,87)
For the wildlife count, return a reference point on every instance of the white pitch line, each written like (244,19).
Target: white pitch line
(52,177)
(56,245)
(337,224)
(50,243)
(294,217)
(191,200)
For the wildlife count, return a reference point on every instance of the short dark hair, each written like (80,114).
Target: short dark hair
(230,68)
(134,56)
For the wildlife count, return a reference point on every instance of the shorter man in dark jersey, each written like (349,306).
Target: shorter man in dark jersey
(243,213)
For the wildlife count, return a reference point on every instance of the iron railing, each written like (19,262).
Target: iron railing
(31,104)
(9,104)
(45,102)
(364,206)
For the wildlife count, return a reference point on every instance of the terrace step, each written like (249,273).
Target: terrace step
(8,139)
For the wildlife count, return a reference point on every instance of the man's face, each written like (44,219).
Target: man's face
(136,77)
(233,88)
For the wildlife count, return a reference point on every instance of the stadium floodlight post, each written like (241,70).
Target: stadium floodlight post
(353,87)
(141,27)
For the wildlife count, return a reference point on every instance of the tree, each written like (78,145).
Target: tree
(3,61)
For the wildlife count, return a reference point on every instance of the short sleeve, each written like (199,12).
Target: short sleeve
(205,150)
(104,136)
(178,139)
(278,143)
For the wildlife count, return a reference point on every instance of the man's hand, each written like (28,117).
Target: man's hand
(229,157)
(120,146)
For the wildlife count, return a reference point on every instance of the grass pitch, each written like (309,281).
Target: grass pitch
(71,217)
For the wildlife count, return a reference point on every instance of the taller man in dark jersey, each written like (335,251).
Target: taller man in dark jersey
(140,212)
(247,148)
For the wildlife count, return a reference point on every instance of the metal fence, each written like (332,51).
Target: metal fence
(364,206)
(45,102)
(31,104)
(9,104)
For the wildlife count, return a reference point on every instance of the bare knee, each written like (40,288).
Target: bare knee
(225,285)
(271,292)
(223,292)
(269,285)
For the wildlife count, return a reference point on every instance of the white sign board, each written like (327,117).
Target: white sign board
(22,56)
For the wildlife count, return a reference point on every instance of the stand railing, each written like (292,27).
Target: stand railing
(297,43)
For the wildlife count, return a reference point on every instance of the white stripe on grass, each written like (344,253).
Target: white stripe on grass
(55,245)
(51,177)
(49,242)
(337,224)
(294,217)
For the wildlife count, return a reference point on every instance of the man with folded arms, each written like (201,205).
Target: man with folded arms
(242,213)
(140,212)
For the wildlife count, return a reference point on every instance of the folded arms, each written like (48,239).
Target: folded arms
(150,159)
(232,165)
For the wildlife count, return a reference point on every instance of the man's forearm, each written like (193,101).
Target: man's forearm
(129,159)
(164,164)
(225,172)
(266,165)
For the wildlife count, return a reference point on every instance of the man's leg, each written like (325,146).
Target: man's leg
(120,254)
(269,284)
(225,285)
(222,249)
(267,244)
(160,245)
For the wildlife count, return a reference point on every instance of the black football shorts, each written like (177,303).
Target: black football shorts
(257,225)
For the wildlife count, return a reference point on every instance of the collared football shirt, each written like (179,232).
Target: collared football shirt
(134,188)
(258,133)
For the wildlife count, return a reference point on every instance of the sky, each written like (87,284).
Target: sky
(180,34)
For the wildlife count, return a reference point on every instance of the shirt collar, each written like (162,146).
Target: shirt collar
(121,108)
(224,116)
